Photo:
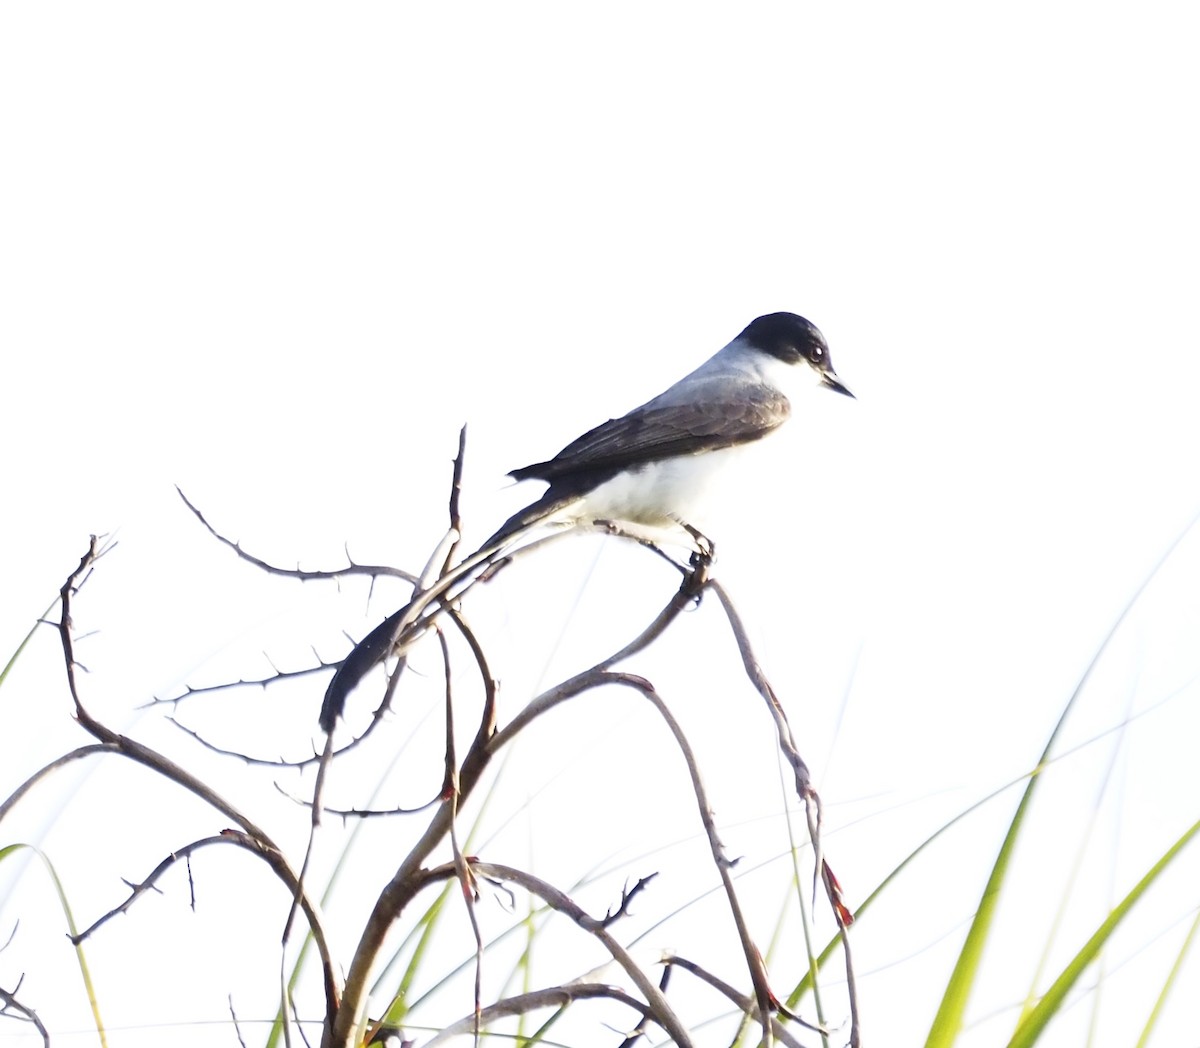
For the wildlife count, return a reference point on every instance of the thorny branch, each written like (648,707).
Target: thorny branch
(436,599)
(67,758)
(254,837)
(11,1008)
(747,1005)
(232,837)
(627,896)
(523,1004)
(659,1009)
(373,571)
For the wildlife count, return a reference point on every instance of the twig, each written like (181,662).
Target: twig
(462,869)
(759,679)
(754,961)
(148,883)
(627,896)
(659,1008)
(455,496)
(232,837)
(255,682)
(810,797)
(843,918)
(640,1031)
(12,1008)
(254,837)
(236,1026)
(522,1004)
(377,716)
(405,881)
(372,570)
(11,800)
(746,1004)
(404,627)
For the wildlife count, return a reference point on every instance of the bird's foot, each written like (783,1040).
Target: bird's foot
(699,563)
(705,552)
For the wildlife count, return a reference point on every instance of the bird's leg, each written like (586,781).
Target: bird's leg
(613,527)
(696,578)
(705,552)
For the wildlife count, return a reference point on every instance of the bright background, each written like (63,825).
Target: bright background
(277,254)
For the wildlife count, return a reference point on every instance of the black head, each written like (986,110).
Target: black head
(794,340)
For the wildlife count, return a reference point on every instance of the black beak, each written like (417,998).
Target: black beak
(828,378)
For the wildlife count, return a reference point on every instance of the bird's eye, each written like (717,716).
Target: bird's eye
(816,353)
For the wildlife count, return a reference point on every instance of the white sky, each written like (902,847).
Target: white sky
(278,254)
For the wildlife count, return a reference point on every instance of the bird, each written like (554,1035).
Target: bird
(650,467)
(654,465)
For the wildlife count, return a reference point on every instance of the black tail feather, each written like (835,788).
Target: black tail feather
(378,644)
(545,507)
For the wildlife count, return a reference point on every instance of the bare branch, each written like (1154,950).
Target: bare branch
(810,797)
(377,716)
(67,758)
(659,1008)
(627,896)
(371,570)
(255,838)
(640,1031)
(844,918)
(522,1004)
(245,841)
(758,678)
(462,867)
(455,496)
(404,627)
(399,890)
(744,1003)
(255,682)
(236,1027)
(361,813)
(754,962)
(406,881)
(11,1008)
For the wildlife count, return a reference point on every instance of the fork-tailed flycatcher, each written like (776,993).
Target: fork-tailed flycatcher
(651,466)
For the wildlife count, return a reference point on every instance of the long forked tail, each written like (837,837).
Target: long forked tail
(411,619)
(525,519)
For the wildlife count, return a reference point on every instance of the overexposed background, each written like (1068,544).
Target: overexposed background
(278,254)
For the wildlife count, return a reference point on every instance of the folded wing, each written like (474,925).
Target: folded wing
(662,430)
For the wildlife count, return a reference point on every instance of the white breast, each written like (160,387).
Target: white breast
(678,489)
(670,490)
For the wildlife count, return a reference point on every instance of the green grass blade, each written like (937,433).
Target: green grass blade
(834,943)
(343,863)
(1156,1011)
(948,1021)
(1028,1031)
(24,643)
(81,958)
(949,1018)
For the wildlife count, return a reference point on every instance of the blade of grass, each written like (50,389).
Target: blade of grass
(814,962)
(339,867)
(1028,1031)
(429,923)
(89,987)
(24,643)
(1156,1011)
(948,1021)
(834,943)
(1075,875)
(949,1018)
